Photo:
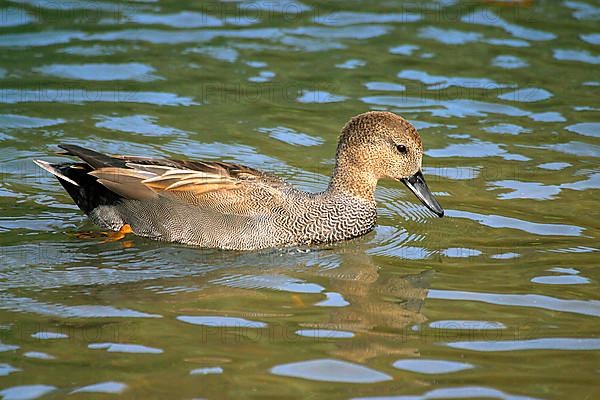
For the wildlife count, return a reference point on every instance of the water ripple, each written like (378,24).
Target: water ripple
(424,366)
(457,37)
(575,148)
(585,128)
(324,334)
(81,96)
(28,305)
(342,18)
(498,221)
(101,71)
(290,136)
(459,108)
(329,370)
(7,369)
(15,17)
(583,307)
(273,282)
(26,392)
(12,121)
(583,11)
(102,387)
(125,348)
(221,322)
(182,19)
(576,55)
(39,39)
(207,371)
(561,280)
(527,95)
(462,392)
(509,62)
(438,82)
(142,124)
(484,16)
(532,344)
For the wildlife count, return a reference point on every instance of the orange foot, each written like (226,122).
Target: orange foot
(116,236)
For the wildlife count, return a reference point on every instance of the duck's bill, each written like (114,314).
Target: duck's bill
(418,186)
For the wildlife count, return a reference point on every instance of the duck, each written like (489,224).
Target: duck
(214,204)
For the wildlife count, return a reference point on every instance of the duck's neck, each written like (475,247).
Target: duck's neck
(348,179)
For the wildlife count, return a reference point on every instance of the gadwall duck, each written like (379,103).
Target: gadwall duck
(231,206)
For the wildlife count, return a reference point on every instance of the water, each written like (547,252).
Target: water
(499,299)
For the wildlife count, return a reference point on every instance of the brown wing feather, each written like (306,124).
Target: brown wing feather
(229,188)
(125,182)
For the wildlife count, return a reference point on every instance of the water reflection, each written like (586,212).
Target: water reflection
(583,10)
(487,17)
(576,55)
(586,129)
(12,121)
(141,124)
(329,370)
(325,334)
(534,344)
(81,95)
(24,304)
(207,371)
(431,366)
(221,322)
(49,335)
(445,108)
(26,392)
(101,72)
(437,82)
(7,369)
(102,387)
(458,37)
(464,392)
(498,221)
(38,355)
(509,62)
(583,307)
(527,95)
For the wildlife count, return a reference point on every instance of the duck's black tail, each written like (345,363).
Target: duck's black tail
(82,187)
(93,158)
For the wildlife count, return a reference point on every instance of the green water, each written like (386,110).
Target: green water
(499,299)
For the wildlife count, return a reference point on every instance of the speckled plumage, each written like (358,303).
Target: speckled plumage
(229,206)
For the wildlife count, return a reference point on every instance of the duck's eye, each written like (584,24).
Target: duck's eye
(401,148)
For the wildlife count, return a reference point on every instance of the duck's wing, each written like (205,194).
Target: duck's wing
(226,188)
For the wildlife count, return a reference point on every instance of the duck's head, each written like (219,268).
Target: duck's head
(379,144)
